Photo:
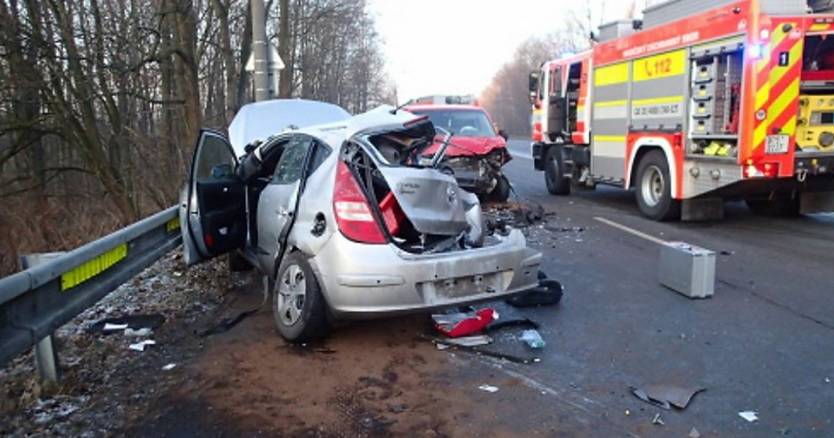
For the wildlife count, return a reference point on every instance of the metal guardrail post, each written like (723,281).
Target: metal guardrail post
(46,355)
(46,360)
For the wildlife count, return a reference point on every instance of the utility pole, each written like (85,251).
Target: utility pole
(261,78)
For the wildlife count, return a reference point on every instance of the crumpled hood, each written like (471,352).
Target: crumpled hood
(469,146)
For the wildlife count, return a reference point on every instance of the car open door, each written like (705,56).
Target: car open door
(212,208)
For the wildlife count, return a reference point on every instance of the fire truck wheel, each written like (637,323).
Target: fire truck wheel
(775,207)
(554,177)
(654,188)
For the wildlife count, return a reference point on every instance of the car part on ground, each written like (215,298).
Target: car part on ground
(548,293)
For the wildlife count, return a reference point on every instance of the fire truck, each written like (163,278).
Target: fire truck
(700,102)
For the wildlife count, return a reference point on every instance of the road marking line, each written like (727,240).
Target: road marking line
(521,155)
(631,230)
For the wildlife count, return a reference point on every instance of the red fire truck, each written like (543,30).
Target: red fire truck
(700,102)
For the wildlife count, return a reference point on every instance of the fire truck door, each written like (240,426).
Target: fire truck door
(557,108)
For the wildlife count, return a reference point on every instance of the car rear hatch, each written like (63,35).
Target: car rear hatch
(420,208)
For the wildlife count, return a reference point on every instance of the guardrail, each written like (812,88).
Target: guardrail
(38,300)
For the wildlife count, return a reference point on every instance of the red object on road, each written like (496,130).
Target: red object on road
(464,324)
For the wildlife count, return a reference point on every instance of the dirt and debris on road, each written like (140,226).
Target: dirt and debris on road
(542,228)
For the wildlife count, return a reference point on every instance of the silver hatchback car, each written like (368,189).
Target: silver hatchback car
(345,218)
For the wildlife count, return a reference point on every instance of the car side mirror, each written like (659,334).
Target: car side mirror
(251,146)
(503,133)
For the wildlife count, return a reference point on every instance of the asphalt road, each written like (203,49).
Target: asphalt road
(762,343)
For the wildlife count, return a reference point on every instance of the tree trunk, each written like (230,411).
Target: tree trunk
(284,45)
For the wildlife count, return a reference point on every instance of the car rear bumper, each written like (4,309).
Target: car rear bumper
(362,281)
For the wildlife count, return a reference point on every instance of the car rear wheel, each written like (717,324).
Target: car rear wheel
(298,305)
(654,188)
(554,177)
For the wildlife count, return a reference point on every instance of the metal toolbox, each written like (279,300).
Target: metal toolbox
(687,269)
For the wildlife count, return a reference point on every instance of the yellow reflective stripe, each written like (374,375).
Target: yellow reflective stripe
(789,127)
(657,100)
(611,103)
(788,96)
(660,66)
(611,74)
(172,225)
(762,64)
(93,267)
(759,135)
(818,27)
(610,138)
(761,96)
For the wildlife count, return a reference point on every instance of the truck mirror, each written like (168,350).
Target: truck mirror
(533,85)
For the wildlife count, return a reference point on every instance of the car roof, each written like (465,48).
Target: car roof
(261,120)
(377,119)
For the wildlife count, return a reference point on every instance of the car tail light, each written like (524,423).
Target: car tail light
(352,211)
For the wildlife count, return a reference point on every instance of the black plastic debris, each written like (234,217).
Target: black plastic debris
(548,293)
(666,396)
(564,229)
(523,322)
(227,323)
(133,322)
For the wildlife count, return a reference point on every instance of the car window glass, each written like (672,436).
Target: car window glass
(214,151)
(319,155)
(465,123)
(292,160)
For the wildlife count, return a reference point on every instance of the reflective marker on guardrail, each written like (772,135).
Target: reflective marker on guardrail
(90,269)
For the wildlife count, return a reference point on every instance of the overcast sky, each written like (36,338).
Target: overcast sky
(456,46)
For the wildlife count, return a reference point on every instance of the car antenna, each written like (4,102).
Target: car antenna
(394,111)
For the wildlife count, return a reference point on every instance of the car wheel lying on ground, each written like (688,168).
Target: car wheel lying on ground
(348,221)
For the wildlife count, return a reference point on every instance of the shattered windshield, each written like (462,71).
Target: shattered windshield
(464,123)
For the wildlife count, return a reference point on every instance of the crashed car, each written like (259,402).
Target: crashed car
(345,223)
(478,150)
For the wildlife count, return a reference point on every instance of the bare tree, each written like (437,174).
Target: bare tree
(506,98)
(101,100)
